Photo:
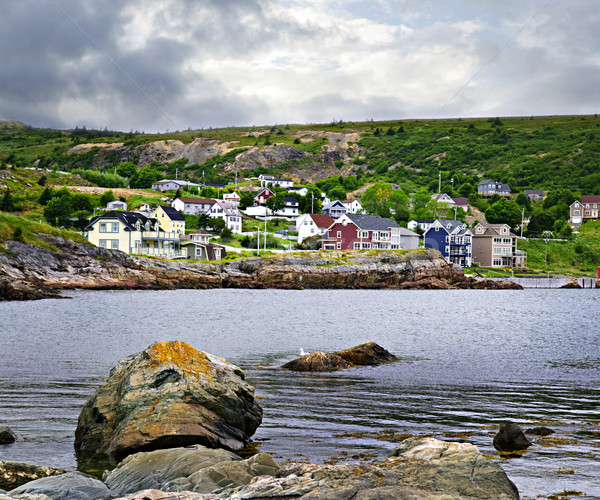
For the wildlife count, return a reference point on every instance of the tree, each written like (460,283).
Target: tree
(81,202)
(337,193)
(107,197)
(524,201)
(504,212)
(58,211)
(145,177)
(420,200)
(204,221)
(42,180)
(126,169)
(246,199)
(276,203)
(380,199)
(47,194)
(311,202)
(557,196)
(7,204)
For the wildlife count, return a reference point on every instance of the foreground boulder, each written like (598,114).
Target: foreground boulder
(195,468)
(7,435)
(15,474)
(510,437)
(166,396)
(360,355)
(68,486)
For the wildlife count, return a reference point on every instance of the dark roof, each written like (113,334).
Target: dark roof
(127,218)
(533,191)
(203,201)
(425,221)
(322,221)
(214,185)
(290,199)
(590,198)
(172,213)
(372,222)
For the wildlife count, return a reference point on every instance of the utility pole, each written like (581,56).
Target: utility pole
(439,181)
(312,202)
(522,220)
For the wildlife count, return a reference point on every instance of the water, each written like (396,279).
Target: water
(472,360)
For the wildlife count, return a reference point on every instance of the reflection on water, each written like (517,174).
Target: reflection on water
(471,361)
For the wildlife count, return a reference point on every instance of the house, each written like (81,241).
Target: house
(422,224)
(233,198)
(335,208)
(133,233)
(290,208)
(352,206)
(442,198)
(358,231)
(534,194)
(198,246)
(262,196)
(462,203)
(309,225)
(229,213)
(170,220)
(584,210)
(489,187)
(266,180)
(192,206)
(168,185)
(494,245)
(300,191)
(452,239)
(116,205)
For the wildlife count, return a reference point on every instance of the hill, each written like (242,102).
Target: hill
(527,153)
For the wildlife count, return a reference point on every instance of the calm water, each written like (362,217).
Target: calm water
(472,360)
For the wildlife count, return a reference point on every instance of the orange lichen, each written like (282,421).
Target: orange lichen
(182,356)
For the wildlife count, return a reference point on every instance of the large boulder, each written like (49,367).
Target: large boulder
(510,437)
(316,362)
(194,468)
(15,474)
(68,486)
(422,469)
(366,354)
(166,396)
(7,435)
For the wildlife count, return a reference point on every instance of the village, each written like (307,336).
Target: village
(160,231)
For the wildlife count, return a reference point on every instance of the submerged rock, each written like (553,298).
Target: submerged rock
(510,437)
(539,431)
(360,355)
(15,474)
(68,486)
(166,396)
(7,435)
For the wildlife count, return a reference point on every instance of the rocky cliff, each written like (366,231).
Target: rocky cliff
(31,272)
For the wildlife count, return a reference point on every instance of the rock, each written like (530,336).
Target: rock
(424,468)
(366,354)
(15,474)
(68,486)
(162,495)
(540,431)
(7,435)
(155,469)
(195,468)
(166,396)
(316,362)
(573,283)
(510,437)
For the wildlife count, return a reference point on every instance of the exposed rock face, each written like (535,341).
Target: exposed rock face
(32,272)
(360,355)
(269,157)
(316,362)
(14,474)
(68,486)
(7,435)
(165,396)
(510,437)
(195,468)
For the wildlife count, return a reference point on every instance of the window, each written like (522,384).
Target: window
(507,241)
(587,212)
(376,235)
(497,262)
(114,244)
(339,234)
(497,251)
(497,241)
(103,227)
(506,251)
(365,234)
(339,245)
(356,245)
(366,245)
(576,212)
(312,230)
(115,227)
(103,243)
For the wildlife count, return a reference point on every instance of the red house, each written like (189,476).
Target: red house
(262,196)
(357,231)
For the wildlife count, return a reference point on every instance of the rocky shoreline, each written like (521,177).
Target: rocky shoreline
(29,272)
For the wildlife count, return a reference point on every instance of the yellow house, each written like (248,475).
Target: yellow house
(170,220)
(133,233)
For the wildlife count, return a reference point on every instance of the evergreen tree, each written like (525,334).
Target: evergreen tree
(7,204)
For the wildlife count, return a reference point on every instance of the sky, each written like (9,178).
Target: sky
(166,65)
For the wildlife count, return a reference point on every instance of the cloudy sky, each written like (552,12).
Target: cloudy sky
(157,65)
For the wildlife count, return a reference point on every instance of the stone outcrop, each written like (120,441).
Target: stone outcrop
(67,486)
(510,437)
(7,435)
(14,474)
(168,395)
(360,355)
(195,468)
(539,431)
(32,272)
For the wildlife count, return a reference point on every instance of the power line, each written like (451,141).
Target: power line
(114,63)
(489,61)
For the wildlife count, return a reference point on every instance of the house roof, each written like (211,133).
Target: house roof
(322,221)
(486,181)
(127,218)
(590,198)
(423,221)
(533,191)
(460,201)
(172,213)
(492,230)
(200,231)
(372,222)
(290,199)
(333,203)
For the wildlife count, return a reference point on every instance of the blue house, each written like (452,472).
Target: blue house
(453,240)
(335,209)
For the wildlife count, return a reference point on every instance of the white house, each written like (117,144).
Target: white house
(229,213)
(232,198)
(442,198)
(309,225)
(353,206)
(301,191)
(192,206)
(422,224)
(116,205)
(168,185)
(290,209)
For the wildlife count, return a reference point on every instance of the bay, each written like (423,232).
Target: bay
(471,361)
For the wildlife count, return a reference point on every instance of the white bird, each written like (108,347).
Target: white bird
(302,353)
